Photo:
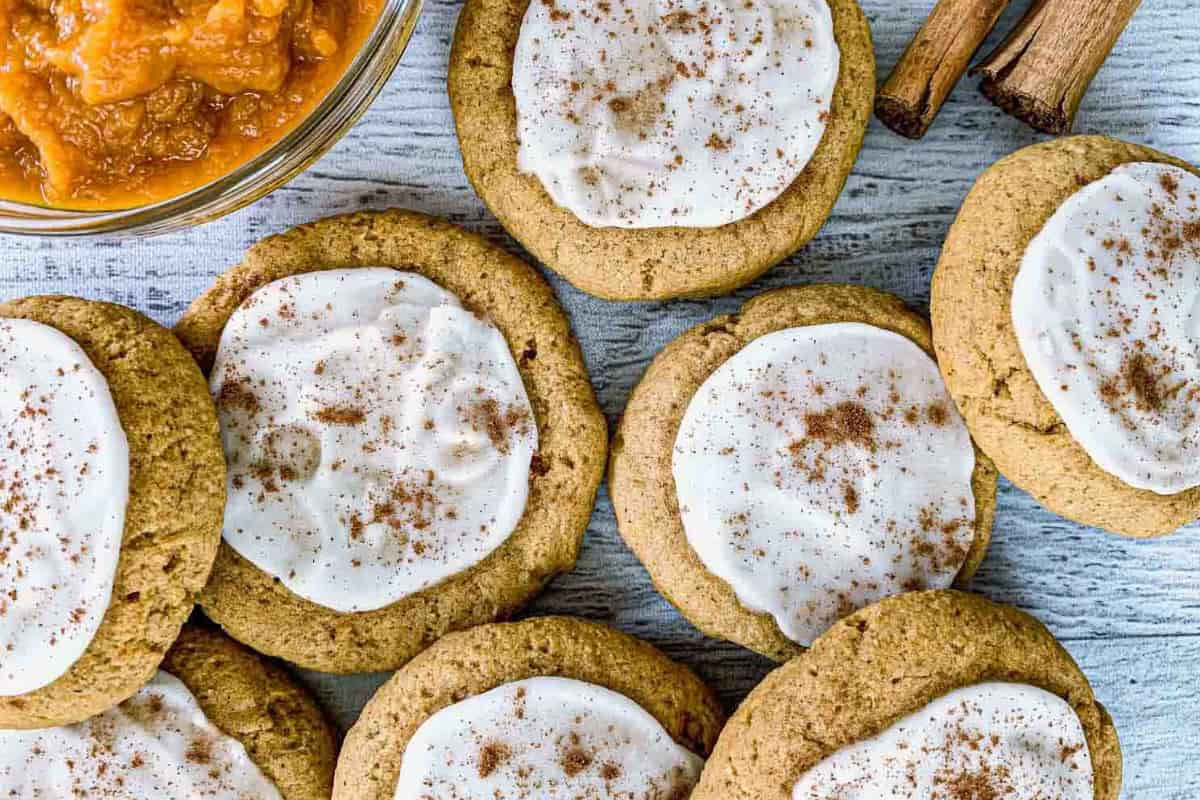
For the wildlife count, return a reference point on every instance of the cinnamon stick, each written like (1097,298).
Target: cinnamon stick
(933,63)
(1042,70)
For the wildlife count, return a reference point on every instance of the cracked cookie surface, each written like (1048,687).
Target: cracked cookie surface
(652,263)
(640,474)
(971,308)
(257,609)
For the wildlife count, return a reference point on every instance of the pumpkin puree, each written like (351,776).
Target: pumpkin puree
(108,104)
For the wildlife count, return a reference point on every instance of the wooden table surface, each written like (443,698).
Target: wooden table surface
(1128,611)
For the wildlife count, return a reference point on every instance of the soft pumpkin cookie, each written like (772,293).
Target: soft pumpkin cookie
(112,488)
(928,694)
(778,468)
(552,707)
(1061,309)
(413,442)
(648,151)
(217,722)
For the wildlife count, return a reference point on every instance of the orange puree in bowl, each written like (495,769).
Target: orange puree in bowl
(108,104)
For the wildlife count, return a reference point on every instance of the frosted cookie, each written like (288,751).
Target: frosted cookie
(554,708)
(412,438)
(779,468)
(111,490)
(1063,315)
(216,722)
(660,150)
(925,695)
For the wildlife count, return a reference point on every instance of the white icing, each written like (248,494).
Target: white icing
(822,468)
(64,486)
(157,744)
(992,740)
(653,113)
(378,435)
(1106,308)
(549,738)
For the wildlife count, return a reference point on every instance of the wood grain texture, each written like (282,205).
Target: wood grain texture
(1129,611)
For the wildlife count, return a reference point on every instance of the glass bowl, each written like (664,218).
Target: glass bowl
(292,154)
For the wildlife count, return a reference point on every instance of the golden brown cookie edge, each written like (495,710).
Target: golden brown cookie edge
(640,478)
(568,466)
(257,703)
(881,664)
(1007,413)
(173,517)
(646,264)
(468,663)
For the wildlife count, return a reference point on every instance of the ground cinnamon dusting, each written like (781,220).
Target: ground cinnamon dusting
(499,424)
(1168,183)
(1142,381)
(985,783)
(339,415)
(679,21)
(492,756)
(519,704)
(1068,751)
(237,394)
(850,496)
(715,142)
(199,751)
(846,423)
(575,761)
(640,111)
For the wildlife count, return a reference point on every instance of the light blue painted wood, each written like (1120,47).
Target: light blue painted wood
(1129,611)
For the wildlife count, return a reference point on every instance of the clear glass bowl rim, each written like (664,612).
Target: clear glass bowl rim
(345,103)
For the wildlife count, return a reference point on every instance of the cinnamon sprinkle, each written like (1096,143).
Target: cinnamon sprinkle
(200,751)
(492,756)
(985,783)
(846,423)
(339,415)
(1142,381)
(937,414)
(500,425)
(1168,183)
(236,393)
(715,142)
(850,496)
(575,761)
